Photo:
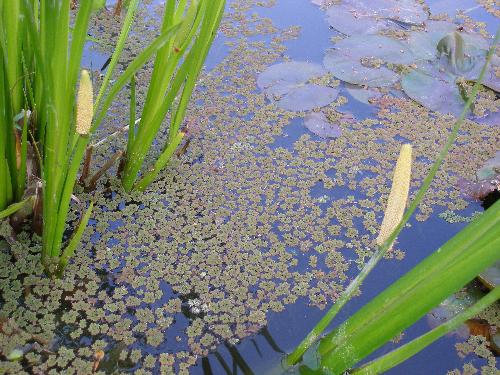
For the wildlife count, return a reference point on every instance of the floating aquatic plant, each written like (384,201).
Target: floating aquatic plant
(287,85)
(317,123)
(244,179)
(442,273)
(352,17)
(49,51)
(435,57)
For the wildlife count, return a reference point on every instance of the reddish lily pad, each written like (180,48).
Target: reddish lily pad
(290,74)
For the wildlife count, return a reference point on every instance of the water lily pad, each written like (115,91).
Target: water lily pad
(346,66)
(288,74)
(492,77)
(491,276)
(450,7)
(362,94)
(308,97)
(377,46)
(350,22)
(409,11)
(454,304)
(490,169)
(286,83)
(317,123)
(423,44)
(433,89)
(369,16)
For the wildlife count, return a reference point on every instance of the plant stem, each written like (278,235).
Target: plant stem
(408,299)
(13,208)
(399,355)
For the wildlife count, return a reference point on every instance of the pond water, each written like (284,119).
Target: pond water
(235,253)
(262,353)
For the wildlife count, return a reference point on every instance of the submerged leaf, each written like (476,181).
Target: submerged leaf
(361,94)
(479,190)
(288,75)
(317,123)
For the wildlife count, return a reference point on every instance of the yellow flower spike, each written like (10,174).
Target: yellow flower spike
(398,196)
(85,104)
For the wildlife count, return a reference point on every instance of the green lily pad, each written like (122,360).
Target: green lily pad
(492,76)
(456,55)
(377,46)
(441,40)
(490,169)
(362,94)
(307,97)
(491,276)
(409,11)
(277,77)
(370,16)
(286,84)
(433,89)
(348,21)
(347,67)
(423,43)
(345,61)
(450,7)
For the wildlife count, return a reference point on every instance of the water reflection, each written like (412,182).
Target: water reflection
(229,360)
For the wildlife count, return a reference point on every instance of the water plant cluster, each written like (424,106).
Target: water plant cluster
(240,224)
(42,43)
